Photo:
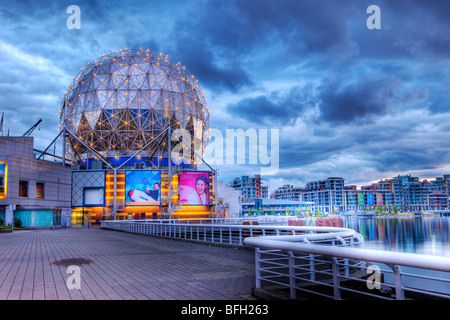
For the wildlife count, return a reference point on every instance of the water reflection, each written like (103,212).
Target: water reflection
(415,234)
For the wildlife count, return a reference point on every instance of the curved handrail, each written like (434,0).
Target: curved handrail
(387,257)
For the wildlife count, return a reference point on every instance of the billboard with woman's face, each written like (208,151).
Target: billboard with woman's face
(194,188)
(142,187)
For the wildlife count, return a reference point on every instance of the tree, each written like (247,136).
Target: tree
(308,211)
(394,209)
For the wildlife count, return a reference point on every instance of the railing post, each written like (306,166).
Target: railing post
(312,276)
(398,279)
(292,291)
(258,268)
(336,280)
(347,268)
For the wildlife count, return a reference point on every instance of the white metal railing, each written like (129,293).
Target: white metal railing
(224,232)
(263,219)
(347,272)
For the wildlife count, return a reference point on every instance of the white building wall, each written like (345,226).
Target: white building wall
(229,196)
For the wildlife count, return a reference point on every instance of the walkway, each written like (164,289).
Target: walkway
(119,266)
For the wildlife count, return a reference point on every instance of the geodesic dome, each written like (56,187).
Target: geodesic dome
(120,102)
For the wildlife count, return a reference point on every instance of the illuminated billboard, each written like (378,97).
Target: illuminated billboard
(3,178)
(142,187)
(194,188)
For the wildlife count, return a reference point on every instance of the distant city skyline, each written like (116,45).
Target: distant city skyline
(365,104)
(358,185)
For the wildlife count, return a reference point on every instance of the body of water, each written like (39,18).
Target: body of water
(424,234)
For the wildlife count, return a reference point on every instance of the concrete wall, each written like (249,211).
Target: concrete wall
(19,146)
(56,179)
(22,165)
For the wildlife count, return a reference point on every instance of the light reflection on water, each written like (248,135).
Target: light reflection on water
(414,234)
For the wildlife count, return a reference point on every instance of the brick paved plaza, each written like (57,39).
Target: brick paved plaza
(119,266)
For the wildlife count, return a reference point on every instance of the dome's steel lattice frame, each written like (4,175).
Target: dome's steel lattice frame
(123,100)
(128,104)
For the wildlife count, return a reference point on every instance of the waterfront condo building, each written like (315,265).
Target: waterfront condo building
(327,195)
(250,187)
(288,192)
(405,192)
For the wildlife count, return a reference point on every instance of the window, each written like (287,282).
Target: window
(23,188)
(39,190)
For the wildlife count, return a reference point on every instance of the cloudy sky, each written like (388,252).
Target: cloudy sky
(349,101)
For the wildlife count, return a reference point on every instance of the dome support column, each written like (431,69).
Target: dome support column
(169,165)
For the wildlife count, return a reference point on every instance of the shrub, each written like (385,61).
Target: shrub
(17,223)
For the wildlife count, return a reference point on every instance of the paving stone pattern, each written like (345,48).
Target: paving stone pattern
(119,266)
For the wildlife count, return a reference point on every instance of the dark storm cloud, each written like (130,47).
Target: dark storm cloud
(201,62)
(420,27)
(277,109)
(357,101)
(340,100)
(227,38)
(407,158)
(306,26)
(396,145)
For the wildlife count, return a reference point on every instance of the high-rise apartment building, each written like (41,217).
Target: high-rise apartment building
(288,192)
(250,187)
(406,192)
(327,194)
